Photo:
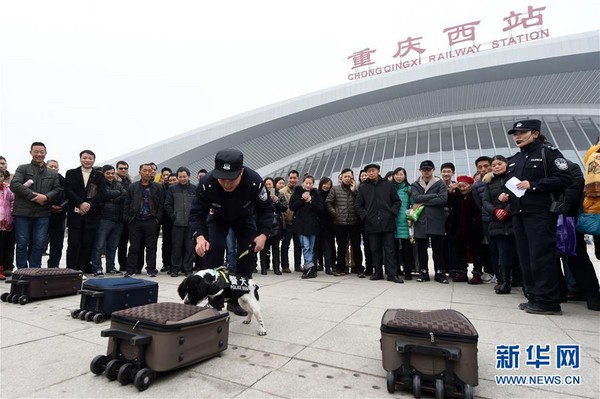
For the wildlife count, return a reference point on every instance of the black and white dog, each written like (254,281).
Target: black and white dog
(219,286)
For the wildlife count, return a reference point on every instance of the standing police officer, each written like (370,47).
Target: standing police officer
(542,170)
(231,196)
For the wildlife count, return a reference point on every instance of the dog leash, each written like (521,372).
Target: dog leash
(246,252)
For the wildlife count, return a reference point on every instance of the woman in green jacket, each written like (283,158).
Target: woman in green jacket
(404,245)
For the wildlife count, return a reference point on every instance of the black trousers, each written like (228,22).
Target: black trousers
(583,270)
(142,233)
(285,249)
(325,250)
(272,245)
(123,244)
(182,249)
(383,253)
(343,234)
(437,247)
(80,243)
(245,232)
(460,248)
(56,238)
(405,255)
(7,248)
(535,235)
(167,242)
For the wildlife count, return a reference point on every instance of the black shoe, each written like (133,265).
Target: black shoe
(543,310)
(424,276)
(361,275)
(441,278)
(408,276)
(395,279)
(376,276)
(236,309)
(98,274)
(165,269)
(523,305)
(298,269)
(368,272)
(174,274)
(310,273)
(328,271)
(593,303)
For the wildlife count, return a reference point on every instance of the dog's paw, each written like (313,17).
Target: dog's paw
(262,333)
(246,321)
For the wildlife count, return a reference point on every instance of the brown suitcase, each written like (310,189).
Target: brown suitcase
(37,283)
(160,337)
(435,350)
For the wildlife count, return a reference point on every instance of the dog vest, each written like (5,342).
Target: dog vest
(229,287)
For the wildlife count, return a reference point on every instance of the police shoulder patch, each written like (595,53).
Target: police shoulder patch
(263,194)
(561,163)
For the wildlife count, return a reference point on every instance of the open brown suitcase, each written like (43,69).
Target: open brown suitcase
(434,350)
(160,337)
(37,283)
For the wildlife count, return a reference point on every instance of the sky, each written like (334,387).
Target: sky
(116,75)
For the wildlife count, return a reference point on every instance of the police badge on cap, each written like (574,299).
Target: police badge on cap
(526,125)
(228,164)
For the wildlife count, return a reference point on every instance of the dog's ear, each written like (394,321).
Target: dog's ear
(182,290)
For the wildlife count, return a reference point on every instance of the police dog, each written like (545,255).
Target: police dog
(219,286)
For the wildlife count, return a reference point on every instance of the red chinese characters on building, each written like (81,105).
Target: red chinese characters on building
(534,17)
(362,58)
(408,45)
(461,33)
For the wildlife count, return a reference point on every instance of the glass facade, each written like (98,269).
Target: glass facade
(459,142)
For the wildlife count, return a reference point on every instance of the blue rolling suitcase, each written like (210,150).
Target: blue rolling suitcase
(101,297)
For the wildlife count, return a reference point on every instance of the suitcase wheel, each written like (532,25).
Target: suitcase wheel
(82,314)
(75,313)
(468,391)
(98,364)
(89,316)
(112,369)
(143,379)
(98,318)
(4,296)
(9,298)
(417,386)
(125,375)
(439,388)
(15,298)
(24,299)
(391,381)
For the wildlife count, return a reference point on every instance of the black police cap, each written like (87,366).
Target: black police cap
(526,125)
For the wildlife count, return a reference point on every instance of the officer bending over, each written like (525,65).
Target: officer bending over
(231,196)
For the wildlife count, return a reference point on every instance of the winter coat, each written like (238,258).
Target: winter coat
(325,219)
(306,214)
(573,195)
(434,196)
(114,198)
(77,193)
(134,202)
(45,181)
(178,202)
(340,204)
(406,202)
(494,186)
(278,209)
(288,216)
(377,205)
(477,193)
(591,162)
(7,200)
(464,222)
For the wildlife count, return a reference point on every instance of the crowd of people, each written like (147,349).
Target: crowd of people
(501,220)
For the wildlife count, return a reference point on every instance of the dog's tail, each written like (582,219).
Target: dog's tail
(256,293)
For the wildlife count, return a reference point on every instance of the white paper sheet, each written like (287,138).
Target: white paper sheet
(511,184)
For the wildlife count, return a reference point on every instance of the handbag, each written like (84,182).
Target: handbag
(566,236)
(588,223)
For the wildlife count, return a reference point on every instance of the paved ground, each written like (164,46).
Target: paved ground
(323,341)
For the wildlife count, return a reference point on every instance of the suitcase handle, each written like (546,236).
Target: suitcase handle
(447,353)
(93,294)
(133,339)
(17,282)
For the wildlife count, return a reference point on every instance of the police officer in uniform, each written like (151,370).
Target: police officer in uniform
(542,170)
(231,196)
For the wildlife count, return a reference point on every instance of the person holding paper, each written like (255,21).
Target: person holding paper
(542,170)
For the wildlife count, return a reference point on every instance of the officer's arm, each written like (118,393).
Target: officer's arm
(264,210)
(199,213)
(559,177)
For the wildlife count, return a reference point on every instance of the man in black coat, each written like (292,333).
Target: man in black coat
(377,204)
(84,188)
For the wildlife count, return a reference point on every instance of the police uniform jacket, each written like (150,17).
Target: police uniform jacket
(212,203)
(528,165)
(377,204)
